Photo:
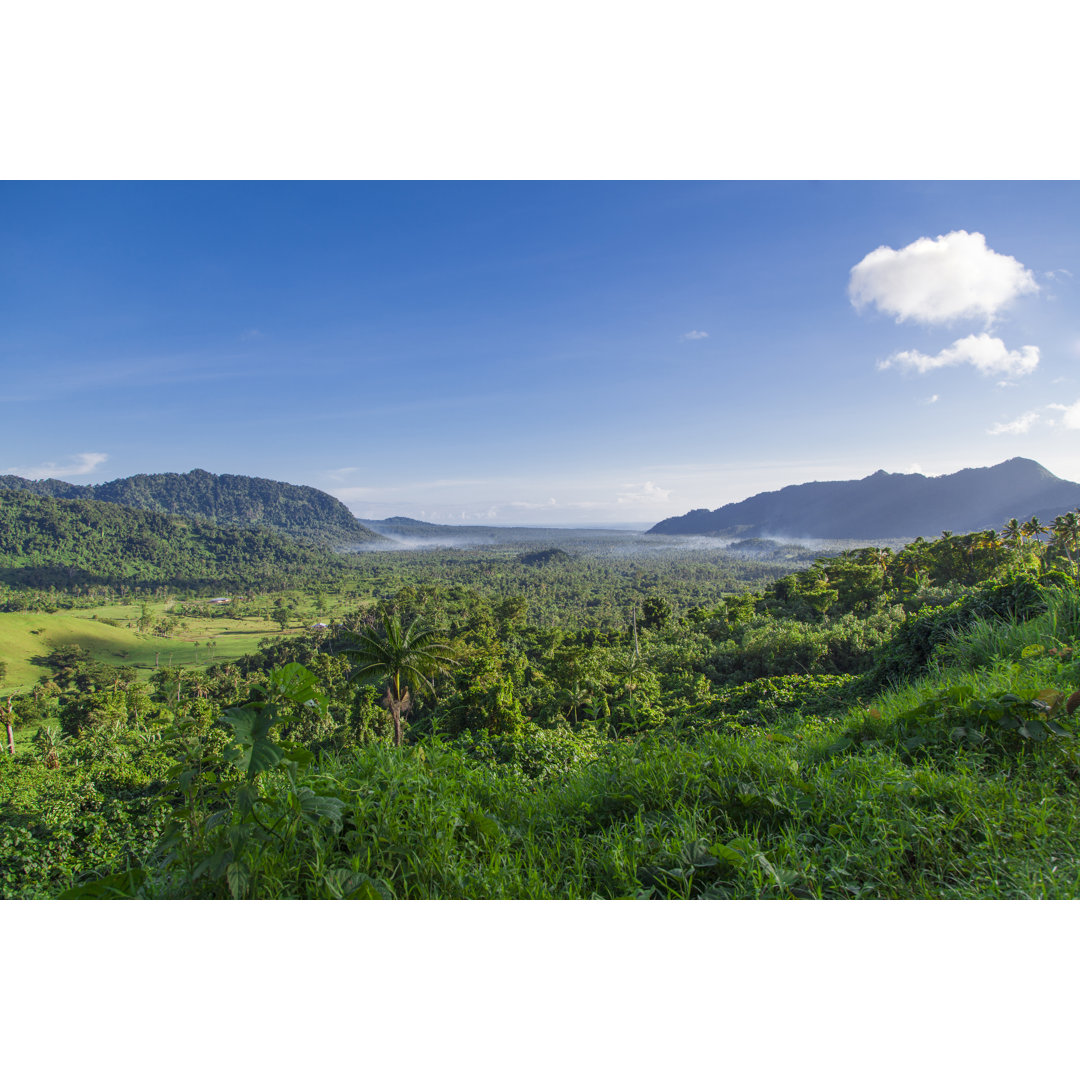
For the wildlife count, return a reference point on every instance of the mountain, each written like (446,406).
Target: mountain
(46,541)
(304,513)
(890,505)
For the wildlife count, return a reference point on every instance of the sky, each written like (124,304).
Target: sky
(538,352)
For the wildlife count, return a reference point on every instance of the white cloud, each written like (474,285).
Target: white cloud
(988,355)
(82,464)
(934,281)
(1070,414)
(1020,426)
(643,493)
(694,335)
(932,399)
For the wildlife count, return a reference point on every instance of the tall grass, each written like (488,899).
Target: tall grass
(884,801)
(986,642)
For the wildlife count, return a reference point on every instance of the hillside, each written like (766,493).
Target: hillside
(890,504)
(68,542)
(304,513)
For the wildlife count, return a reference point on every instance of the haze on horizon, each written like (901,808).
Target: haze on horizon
(542,353)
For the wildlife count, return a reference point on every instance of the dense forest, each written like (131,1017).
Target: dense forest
(301,512)
(51,542)
(873,723)
(61,553)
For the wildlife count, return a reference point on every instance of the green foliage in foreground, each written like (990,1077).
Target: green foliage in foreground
(930,752)
(961,787)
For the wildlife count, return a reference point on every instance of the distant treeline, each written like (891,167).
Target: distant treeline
(49,542)
(304,513)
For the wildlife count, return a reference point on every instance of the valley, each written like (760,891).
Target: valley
(468,712)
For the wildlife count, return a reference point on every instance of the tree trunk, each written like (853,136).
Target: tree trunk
(395,712)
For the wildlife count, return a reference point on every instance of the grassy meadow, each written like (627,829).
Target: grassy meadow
(109,633)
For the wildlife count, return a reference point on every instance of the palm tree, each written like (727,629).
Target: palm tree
(1034,527)
(628,671)
(405,659)
(1067,534)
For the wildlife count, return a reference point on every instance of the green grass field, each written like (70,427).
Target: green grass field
(26,638)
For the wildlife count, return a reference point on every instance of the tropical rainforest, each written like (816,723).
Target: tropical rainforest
(304,513)
(547,722)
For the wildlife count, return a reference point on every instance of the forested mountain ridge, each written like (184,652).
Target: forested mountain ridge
(890,504)
(70,542)
(225,500)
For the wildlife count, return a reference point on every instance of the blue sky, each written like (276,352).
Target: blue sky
(538,352)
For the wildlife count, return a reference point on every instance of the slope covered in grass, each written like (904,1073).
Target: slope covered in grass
(27,638)
(962,784)
(875,726)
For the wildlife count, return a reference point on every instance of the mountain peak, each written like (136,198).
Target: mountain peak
(891,505)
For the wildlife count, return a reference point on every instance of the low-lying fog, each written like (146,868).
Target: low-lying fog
(619,541)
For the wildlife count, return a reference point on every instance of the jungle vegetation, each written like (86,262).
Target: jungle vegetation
(874,723)
(304,513)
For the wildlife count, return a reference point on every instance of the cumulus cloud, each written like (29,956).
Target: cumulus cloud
(1070,414)
(81,465)
(934,281)
(988,355)
(695,335)
(932,399)
(1020,426)
(648,492)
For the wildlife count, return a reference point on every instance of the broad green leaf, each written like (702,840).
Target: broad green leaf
(729,857)
(369,889)
(251,727)
(1051,697)
(342,884)
(1034,730)
(247,795)
(293,751)
(122,886)
(315,807)
(295,683)
(697,855)
(238,877)
(480,824)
